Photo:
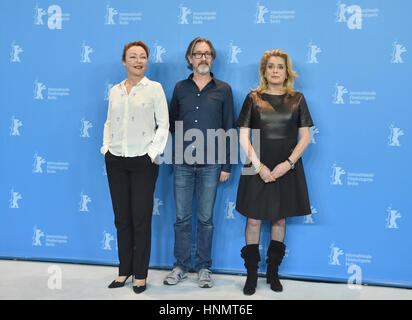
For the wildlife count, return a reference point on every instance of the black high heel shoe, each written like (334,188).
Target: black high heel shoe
(117,284)
(139,289)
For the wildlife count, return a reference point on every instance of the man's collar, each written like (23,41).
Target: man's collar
(211,74)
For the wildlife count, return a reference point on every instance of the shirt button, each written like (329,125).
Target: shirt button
(197,107)
(198,94)
(195,120)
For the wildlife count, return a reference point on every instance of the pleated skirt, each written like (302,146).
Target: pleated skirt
(286,197)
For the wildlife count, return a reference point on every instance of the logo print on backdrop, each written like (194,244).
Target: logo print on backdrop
(233,52)
(51,240)
(37,164)
(51,166)
(38,90)
(38,15)
(197,17)
(313,50)
(391,218)
(159,51)
(313,130)
(260,12)
(355,97)
(86,51)
(107,237)
(355,19)
(352,178)
(14,127)
(394,135)
(338,95)
(84,130)
(56,17)
(230,207)
(184,12)
(124,18)
(37,234)
(308,219)
(14,197)
(275,16)
(350,258)
(337,172)
(335,253)
(15,51)
(110,13)
(52,93)
(398,49)
(156,204)
(84,200)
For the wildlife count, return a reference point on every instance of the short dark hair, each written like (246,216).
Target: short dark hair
(137,44)
(189,51)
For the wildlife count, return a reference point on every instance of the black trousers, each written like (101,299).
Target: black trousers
(132,183)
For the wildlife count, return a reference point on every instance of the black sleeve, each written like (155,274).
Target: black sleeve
(304,120)
(245,116)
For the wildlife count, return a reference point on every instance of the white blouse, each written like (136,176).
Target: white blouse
(137,123)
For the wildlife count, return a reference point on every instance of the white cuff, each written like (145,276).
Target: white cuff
(104,149)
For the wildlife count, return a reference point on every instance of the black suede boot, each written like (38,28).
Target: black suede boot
(275,253)
(251,255)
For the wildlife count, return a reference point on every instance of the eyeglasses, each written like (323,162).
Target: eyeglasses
(199,55)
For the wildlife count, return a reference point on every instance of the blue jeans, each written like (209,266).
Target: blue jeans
(204,180)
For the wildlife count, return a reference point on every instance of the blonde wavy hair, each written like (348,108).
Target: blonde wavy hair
(288,84)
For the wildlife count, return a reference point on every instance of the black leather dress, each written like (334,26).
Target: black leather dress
(278,118)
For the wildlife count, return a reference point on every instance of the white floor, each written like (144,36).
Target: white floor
(57,281)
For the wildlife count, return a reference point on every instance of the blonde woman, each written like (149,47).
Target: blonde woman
(278,189)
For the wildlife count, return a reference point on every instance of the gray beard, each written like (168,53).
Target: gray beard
(202,69)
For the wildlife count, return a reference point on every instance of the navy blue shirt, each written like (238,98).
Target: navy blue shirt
(210,108)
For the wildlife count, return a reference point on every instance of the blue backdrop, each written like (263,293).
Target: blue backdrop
(60,58)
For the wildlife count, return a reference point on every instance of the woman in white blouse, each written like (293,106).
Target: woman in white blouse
(135,133)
